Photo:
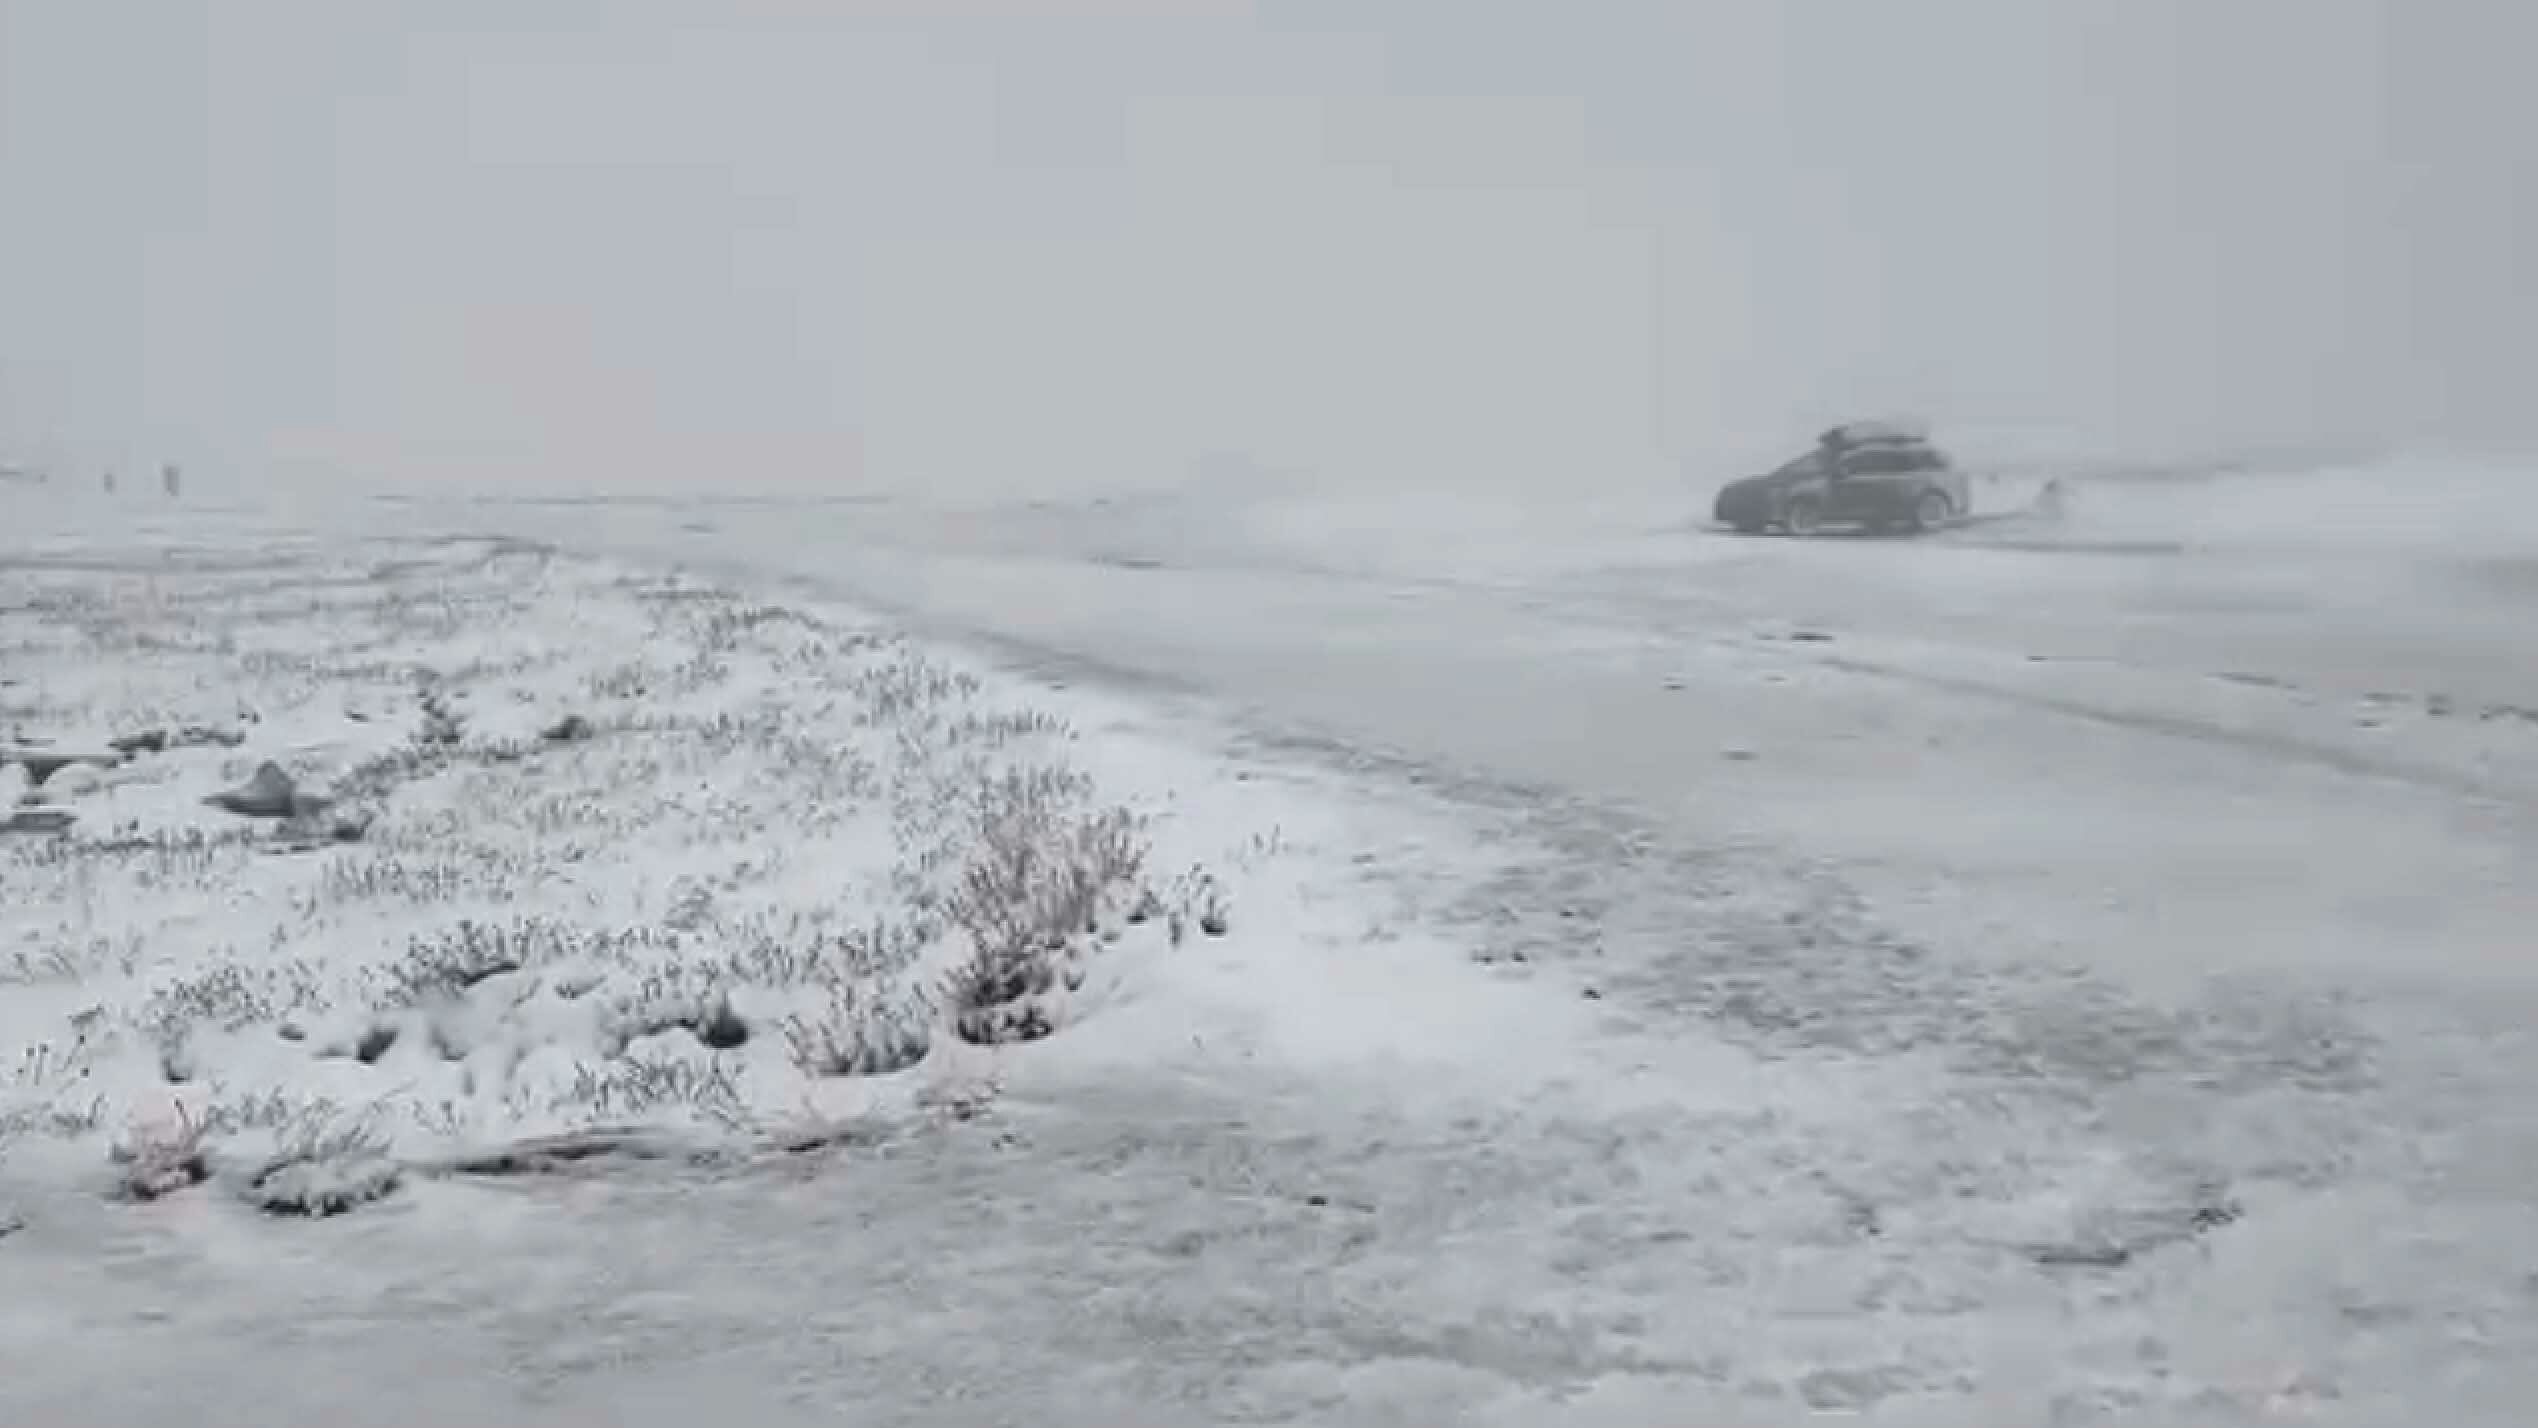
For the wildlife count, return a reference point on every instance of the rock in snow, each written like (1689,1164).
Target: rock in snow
(270,794)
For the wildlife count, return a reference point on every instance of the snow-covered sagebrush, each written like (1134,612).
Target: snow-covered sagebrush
(334,866)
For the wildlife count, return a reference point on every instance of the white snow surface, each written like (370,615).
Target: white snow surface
(2058,971)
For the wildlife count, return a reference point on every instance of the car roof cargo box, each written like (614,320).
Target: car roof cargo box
(1893,432)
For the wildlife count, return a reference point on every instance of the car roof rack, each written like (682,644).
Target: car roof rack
(1892,432)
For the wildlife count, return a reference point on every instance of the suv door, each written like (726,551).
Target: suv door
(1880,482)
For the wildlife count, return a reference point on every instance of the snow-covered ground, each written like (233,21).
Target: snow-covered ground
(573,848)
(2067,971)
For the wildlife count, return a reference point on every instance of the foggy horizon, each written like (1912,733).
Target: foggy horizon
(1061,247)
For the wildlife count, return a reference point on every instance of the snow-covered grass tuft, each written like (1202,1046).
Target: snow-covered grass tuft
(353,866)
(1032,899)
(163,1155)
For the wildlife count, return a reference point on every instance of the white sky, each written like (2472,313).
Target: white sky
(1046,245)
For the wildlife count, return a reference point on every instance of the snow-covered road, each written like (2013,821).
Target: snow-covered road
(2214,805)
(2186,731)
(2035,974)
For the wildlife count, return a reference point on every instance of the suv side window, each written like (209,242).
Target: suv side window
(1890,460)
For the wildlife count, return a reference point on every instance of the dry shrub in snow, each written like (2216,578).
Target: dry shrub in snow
(163,1154)
(1031,897)
(644,1086)
(324,1170)
(1198,899)
(861,1032)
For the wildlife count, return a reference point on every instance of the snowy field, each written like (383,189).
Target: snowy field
(1245,955)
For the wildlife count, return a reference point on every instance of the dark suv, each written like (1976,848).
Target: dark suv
(1884,476)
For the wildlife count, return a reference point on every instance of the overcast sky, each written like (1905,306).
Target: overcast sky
(1042,245)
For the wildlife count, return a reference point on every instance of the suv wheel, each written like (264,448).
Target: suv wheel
(1932,510)
(1802,516)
